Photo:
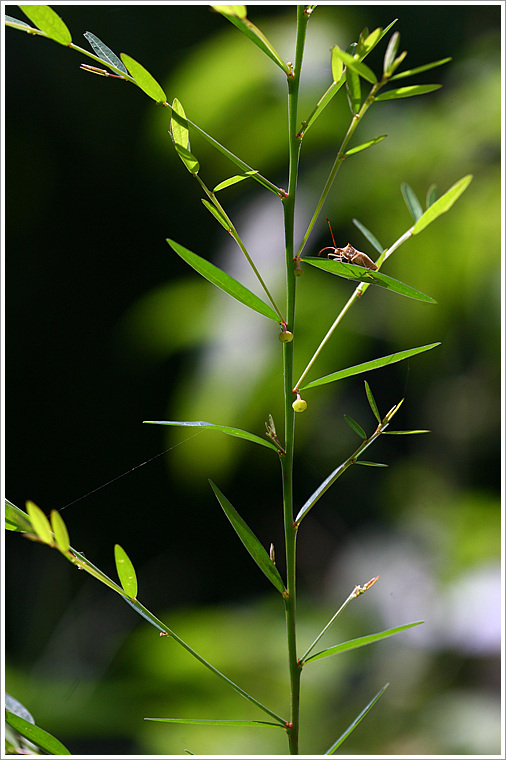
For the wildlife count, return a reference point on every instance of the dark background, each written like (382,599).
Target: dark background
(105,329)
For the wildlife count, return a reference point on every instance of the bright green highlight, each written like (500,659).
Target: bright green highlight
(236,432)
(126,571)
(144,79)
(442,205)
(48,22)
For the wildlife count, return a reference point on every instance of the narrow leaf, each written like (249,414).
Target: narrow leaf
(48,22)
(365,145)
(60,531)
(355,723)
(322,488)
(363,641)
(355,65)
(236,14)
(419,69)
(223,281)
(236,432)
(144,79)
(197,721)
(353,91)
(443,204)
(355,427)
(188,159)
(250,541)
(370,464)
(367,366)
(391,51)
(365,46)
(412,202)
(233,180)
(369,236)
(404,432)
(407,92)
(12,20)
(361,274)
(179,126)
(40,523)
(431,195)
(16,519)
(104,52)
(217,214)
(372,402)
(126,571)
(37,735)
(336,64)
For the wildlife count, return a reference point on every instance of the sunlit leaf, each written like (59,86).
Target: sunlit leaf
(419,69)
(363,641)
(216,213)
(198,722)
(391,51)
(370,464)
(60,531)
(236,432)
(179,126)
(357,66)
(336,64)
(34,734)
(250,541)
(16,519)
(355,723)
(407,92)
(188,159)
(362,274)
(126,571)
(355,427)
(368,366)
(233,180)
(48,22)
(369,42)
(104,52)
(365,145)
(412,202)
(404,432)
(443,204)
(369,236)
(40,523)
(353,91)
(144,79)
(236,14)
(223,281)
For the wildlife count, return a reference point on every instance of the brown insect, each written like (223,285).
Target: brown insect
(348,254)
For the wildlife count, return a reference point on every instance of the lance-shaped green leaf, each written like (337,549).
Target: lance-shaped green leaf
(372,401)
(250,541)
(178,127)
(404,432)
(11,20)
(355,65)
(40,523)
(419,69)
(16,519)
(38,736)
(60,531)
(126,571)
(366,44)
(442,205)
(236,432)
(236,14)
(144,79)
(217,214)
(199,722)
(407,92)
(383,361)
(370,464)
(365,145)
(363,641)
(412,202)
(355,426)
(361,274)
(355,723)
(48,22)
(353,91)
(369,236)
(391,51)
(104,52)
(336,64)
(233,180)
(223,281)
(431,196)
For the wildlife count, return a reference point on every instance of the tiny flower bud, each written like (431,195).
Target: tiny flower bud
(286,336)
(299,405)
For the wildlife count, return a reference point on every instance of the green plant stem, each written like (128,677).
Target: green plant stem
(288,348)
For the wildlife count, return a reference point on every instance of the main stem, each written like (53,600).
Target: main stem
(287,459)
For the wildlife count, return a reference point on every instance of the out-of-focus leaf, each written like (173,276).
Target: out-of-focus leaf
(407,92)
(336,64)
(236,14)
(365,145)
(233,180)
(353,91)
(223,281)
(362,274)
(104,52)
(369,236)
(36,735)
(250,541)
(16,519)
(144,79)
(60,531)
(355,427)
(363,641)
(40,523)
(355,723)
(12,20)
(443,204)
(391,51)
(412,202)
(126,571)
(419,69)
(431,196)
(48,22)
(235,432)
(368,366)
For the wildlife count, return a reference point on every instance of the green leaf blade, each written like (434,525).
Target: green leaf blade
(104,52)
(355,427)
(233,180)
(60,531)
(355,65)
(235,432)
(365,145)
(126,571)
(443,204)
(355,723)
(203,722)
(383,361)
(236,14)
(250,541)
(361,274)
(37,735)
(407,92)
(419,69)
(144,80)
(412,202)
(48,22)
(363,641)
(368,236)
(223,281)
(40,523)
(372,401)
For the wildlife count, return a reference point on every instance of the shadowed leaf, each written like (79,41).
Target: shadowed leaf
(104,52)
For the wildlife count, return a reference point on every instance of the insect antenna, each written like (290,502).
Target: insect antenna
(332,234)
